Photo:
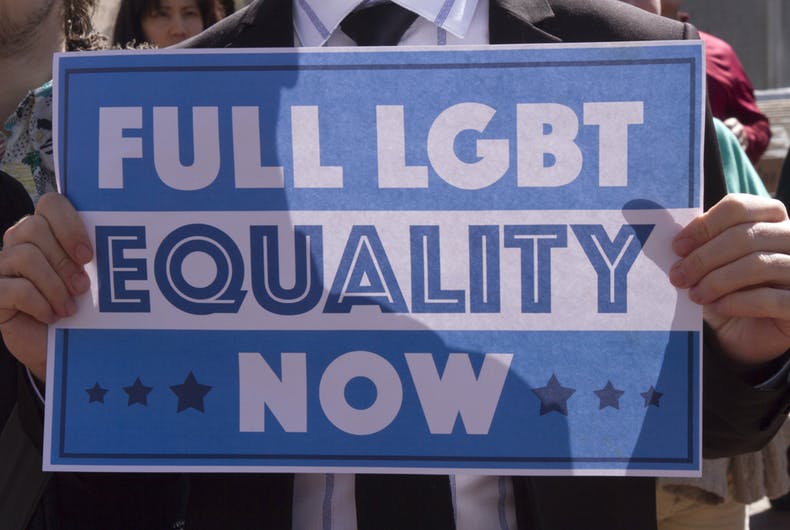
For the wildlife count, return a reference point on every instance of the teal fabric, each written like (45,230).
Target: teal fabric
(739,173)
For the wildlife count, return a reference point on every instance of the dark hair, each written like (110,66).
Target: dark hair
(128,23)
(78,26)
(229,6)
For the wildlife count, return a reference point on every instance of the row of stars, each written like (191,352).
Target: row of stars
(553,397)
(190,393)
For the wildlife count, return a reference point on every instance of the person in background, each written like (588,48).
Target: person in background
(162,23)
(30,32)
(729,89)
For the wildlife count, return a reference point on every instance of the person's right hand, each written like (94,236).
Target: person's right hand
(41,271)
(739,131)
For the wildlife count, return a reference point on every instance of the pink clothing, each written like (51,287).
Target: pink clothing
(731,94)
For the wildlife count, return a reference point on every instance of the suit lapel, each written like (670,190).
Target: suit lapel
(516,21)
(266,23)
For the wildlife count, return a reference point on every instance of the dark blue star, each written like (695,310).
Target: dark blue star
(138,393)
(651,396)
(609,396)
(553,397)
(190,394)
(96,393)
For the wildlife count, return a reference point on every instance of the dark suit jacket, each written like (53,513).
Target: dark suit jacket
(557,503)
(737,418)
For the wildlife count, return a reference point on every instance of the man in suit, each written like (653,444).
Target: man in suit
(728,241)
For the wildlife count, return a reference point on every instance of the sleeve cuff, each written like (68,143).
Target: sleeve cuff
(780,378)
(34,384)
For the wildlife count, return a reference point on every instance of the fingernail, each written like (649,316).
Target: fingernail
(80,282)
(83,254)
(683,246)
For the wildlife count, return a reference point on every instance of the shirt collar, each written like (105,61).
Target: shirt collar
(316,20)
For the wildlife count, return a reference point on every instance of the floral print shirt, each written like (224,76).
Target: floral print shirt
(26,143)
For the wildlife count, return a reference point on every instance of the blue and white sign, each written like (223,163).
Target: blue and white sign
(413,260)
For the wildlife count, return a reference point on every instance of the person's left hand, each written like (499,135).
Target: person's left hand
(735,262)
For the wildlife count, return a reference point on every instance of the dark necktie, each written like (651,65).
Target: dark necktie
(395,501)
(413,502)
(380,25)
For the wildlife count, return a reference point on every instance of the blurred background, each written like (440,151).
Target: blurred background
(759,31)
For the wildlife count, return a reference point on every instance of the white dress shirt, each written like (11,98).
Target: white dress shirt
(326,502)
(316,21)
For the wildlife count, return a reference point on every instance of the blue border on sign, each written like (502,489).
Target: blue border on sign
(268,459)
(694,115)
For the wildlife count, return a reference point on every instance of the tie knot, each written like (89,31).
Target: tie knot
(379,25)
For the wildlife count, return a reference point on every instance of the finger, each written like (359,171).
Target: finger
(732,210)
(733,124)
(21,296)
(755,270)
(67,226)
(26,339)
(737,130)
(28,262)
(734,243)
(35,230)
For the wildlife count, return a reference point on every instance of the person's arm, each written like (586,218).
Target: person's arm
(729,430)
(21,413)
(751,127)
(736,93)
(740,416)
(15,204)
(735,263)
(41,271)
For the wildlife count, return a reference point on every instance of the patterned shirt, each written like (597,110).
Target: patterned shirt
(26,143)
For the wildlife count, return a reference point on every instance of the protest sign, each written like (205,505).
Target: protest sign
(415,260)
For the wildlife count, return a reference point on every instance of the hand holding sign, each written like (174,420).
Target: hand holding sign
(735,262)
(40,271)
